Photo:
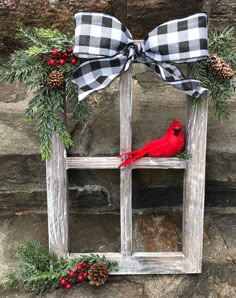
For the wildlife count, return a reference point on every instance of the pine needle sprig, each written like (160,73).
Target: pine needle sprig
(45,39)
(28,37)
(220,91)
(222,43)
(30,67)
(81,109)
(184,155)
(54,37)
(94,258)
(19,68)
(36,270)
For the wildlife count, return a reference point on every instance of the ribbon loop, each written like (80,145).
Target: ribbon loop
(99,35)
(110,49)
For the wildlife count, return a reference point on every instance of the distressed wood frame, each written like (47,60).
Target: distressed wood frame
(187,261)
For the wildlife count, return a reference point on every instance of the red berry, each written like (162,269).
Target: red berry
(72,48)
(73,61)
(68,285)
(79,267)
(80,277)
(85,264)
(63,281)
(85,274)
(52,62)
(65,55)
(62,62)
(71,273)
(55,52)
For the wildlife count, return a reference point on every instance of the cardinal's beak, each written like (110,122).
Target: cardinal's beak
(176,131)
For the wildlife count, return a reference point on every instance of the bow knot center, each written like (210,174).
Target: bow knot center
(135,49)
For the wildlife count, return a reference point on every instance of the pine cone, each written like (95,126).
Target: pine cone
(55,79)
(219,67)
(98,274)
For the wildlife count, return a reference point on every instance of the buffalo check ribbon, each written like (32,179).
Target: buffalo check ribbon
(109,49)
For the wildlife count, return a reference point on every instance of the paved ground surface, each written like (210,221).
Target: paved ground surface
(155,231)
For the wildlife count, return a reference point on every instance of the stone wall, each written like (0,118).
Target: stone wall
(142,15)
(22,174)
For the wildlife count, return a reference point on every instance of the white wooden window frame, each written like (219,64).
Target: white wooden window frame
(187,261)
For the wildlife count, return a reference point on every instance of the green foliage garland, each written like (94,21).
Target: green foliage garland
(36,270)
(221,43)
(30,67)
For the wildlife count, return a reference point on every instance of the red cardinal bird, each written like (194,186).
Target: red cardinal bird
(168,145)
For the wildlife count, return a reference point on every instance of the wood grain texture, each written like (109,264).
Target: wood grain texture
(149,263)
(126,172)
(113,162)
(194,182)
(57,199)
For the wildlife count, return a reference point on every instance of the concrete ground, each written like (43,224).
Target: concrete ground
(158,231)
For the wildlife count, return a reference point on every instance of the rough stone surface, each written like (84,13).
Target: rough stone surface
(157,233)
(42,13)
(223,223)
(223,13)
(17,137)
(142,16)
(217,279)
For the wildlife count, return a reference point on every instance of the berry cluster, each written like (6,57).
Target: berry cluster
(77,275)
(62,58)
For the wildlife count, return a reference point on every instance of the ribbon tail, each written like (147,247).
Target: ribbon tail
(172,75)
(97,74)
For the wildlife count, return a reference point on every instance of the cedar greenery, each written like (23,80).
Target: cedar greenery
(222,44)
(29,66)
(184,155)
(36,270)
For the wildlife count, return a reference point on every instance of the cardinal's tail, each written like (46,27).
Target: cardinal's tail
(140,153)
(126,162)
(128,153)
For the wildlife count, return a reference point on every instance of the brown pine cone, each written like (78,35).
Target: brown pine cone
(219,67)
(97,274)
(55,79)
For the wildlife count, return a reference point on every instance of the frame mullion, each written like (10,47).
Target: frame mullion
(126,172)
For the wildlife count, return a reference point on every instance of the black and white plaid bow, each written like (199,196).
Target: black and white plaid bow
(110,49)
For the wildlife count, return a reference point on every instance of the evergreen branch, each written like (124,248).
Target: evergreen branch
(23,68)
(54,37)
(80,108)
(45,38)
(94,258)
(36,270)
(220,91)
(28,37)
(30,67)
(35,51)
(50,122)
(184,155)
(47,105)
